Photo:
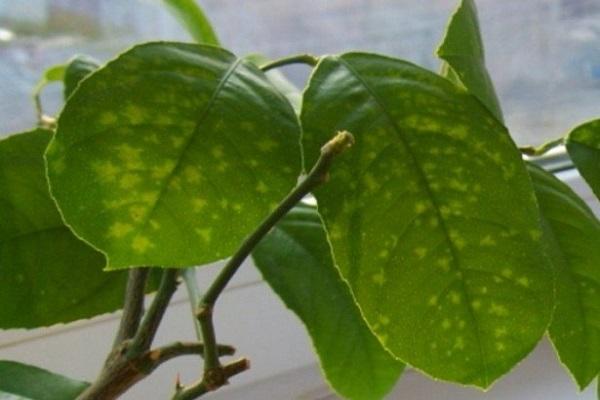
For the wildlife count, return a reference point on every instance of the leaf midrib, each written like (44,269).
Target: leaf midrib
(425,184)
(222,82)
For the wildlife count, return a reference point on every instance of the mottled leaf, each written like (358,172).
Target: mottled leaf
(47,275)
(194,20)
(295,259)
(431,216)
(171,154)
(464,59)
(78,68)
(574,248)
(583,145)
(26,382)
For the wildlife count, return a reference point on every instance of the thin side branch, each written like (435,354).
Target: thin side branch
(133,307)
(147,330)
(543,149)
(216,375)
(296,59)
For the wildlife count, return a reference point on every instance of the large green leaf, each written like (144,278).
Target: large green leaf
(171,154)
(26,382)
(295,259)
(574,234)
(583,145)
(78,68)
(47,275)
(431,216)
(194,20)
(462,51)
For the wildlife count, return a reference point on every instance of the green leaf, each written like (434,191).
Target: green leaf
(280,81)
(583,145)
(574,248)
(431,216)
(171,154)
(47,275)
(192,18)
(26,382)
(53,74)
(462,51)
(295,259)
(77,69)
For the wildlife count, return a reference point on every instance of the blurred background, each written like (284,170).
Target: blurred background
(544,56)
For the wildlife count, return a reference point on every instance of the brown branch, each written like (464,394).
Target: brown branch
(133,306)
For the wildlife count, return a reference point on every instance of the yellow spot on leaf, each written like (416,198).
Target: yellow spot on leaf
(205,233)
(107,118)
(192,175)
(261,187)
(137,212)
(454,297)
(379,278)
(420,252)
(198,204)
(217,152)
(487,241)
(266,145)
(135,114)
(446,324)
(162,170)
(523,281)
(140,244)
(128,181)
(106,171)
(119,229)
(498,310)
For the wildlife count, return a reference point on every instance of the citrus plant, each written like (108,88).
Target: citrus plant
(434,243)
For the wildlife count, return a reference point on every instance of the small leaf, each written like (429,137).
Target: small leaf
(574,248)
(194,20)
(295,259)
(462,51)
(171,154)
(47,275)
(26,382)
(77,69)
(583,145)
(431,216)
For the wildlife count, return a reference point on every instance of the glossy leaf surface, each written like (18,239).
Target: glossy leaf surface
(575,251)
(77,69)
(295,259)
(25,382)
(171,154)
(47,275)
(464,58)
(583,145)
(431,216)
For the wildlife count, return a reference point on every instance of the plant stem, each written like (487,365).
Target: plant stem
(147,330)
(215,375)
(191,285)
(543,149)
(307,59)
(133,307)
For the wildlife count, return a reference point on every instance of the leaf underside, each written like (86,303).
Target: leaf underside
(431,217)
(25,382)
(574,248)
(171,154)
(583,145)
(464,58)
(295,259)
